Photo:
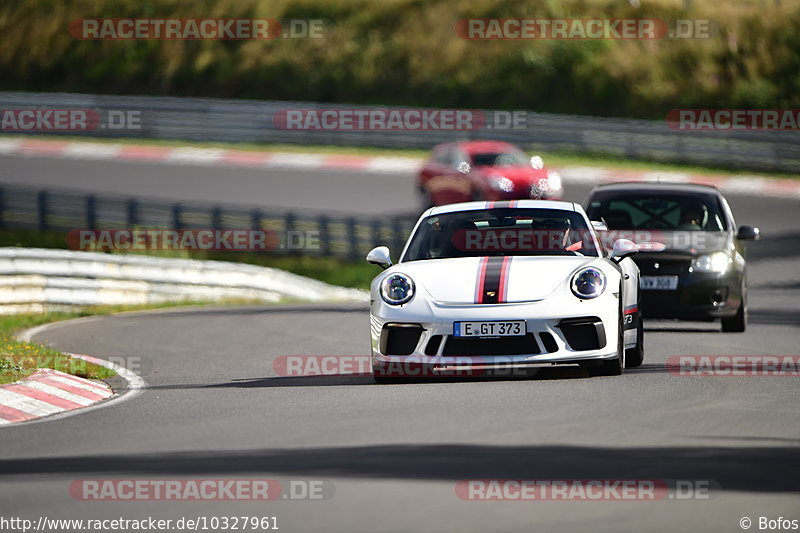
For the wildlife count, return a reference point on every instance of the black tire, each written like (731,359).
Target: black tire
(613,367)
(738,322)
(634,357)
(378,374)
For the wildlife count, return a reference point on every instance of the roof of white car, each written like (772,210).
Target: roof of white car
(524,204)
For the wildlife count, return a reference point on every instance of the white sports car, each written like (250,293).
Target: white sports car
(492,286)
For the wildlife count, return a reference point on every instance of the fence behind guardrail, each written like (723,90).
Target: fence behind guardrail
(209,119)
(349,237)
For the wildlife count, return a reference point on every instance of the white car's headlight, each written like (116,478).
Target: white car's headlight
(588,283)
(717,262)
(397,289)
(501,183)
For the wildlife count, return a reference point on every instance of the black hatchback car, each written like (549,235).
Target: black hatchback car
(701,273)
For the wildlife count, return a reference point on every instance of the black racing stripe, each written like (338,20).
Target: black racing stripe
(491,280)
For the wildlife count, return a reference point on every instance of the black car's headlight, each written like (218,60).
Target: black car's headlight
(717,262)
(588,283)
(397,289)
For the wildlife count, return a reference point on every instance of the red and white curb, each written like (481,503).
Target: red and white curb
(739,184)
(48,392)
(204,156)
(53,394)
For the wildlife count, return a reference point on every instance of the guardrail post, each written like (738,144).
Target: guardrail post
(176,216)
(324,235)
(255,219)
(288,227)
(352,239)
(216,218)
(376,232)
(91,212)
(41,209)
(132,213)
(397,237)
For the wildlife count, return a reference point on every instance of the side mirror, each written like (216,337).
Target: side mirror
(748,233)
(623,248)
(380,256)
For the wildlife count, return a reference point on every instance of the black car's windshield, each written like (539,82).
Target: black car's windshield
(510,158)
(665,211)
(509,231)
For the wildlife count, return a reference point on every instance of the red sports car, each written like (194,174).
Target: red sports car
(484,170)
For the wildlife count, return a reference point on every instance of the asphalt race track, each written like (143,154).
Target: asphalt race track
(392,454)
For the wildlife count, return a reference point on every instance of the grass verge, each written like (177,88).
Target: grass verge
(19,359)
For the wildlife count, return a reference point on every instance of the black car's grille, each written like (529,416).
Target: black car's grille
(491,346)
(666,267)
(653,299)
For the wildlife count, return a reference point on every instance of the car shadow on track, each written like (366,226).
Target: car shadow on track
(344,380)
(767,469)
(678,329)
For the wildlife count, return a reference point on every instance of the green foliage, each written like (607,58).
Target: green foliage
(407,52)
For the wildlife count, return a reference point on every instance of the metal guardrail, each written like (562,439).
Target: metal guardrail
(56,210)
(207,119)
(34,279)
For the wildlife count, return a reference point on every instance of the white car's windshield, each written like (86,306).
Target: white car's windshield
(505,231)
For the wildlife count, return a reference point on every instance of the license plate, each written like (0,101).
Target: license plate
(508,328)
(659,283)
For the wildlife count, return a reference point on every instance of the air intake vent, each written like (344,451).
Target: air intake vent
(585,333)
(400,339)
(433,345)
(548,342)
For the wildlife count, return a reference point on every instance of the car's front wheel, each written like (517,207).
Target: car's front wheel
(635,356)
(613,367)
(738,322)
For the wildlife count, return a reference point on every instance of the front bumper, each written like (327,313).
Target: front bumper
(584,331)
(699,296)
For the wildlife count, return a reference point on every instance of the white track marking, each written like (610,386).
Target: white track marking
(9,146)
(59,393)
(88,387)
(194,156)
(91,151)
(31,406)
